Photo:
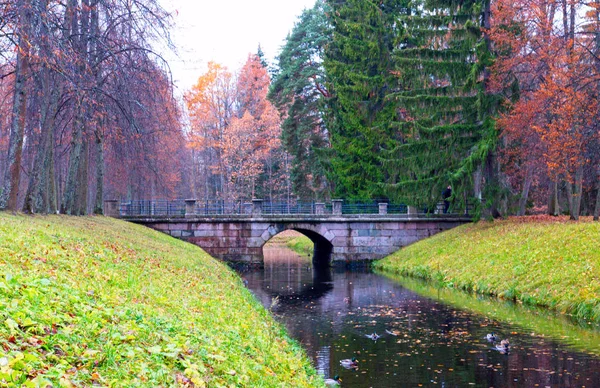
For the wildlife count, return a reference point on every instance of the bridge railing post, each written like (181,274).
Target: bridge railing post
(111,208)
(319,208)
(383,208)
(412,210)
(257,207)
(190,208)
(247,207)
(336,207)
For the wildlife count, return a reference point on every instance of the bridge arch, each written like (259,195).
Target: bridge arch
(323,247)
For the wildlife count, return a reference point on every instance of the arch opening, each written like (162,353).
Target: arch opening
(322,248)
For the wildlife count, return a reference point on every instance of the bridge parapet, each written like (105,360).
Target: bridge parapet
(191,208)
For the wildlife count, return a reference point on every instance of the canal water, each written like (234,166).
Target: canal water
(426,339)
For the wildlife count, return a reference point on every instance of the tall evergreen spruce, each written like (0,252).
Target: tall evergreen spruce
(298,90)
(359,66)
(448,135)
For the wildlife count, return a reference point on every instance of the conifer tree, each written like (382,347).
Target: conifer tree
(442,103)
(298,91)
(358,66)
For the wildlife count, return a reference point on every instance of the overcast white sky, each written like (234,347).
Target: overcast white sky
(225,31)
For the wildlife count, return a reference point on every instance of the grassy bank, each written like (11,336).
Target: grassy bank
(96,301)
(296,241)
(301,244)
(547,262)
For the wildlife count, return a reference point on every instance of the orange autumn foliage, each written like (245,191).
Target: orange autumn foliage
(549,127)
(234,129)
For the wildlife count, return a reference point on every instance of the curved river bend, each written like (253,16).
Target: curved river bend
(424,342)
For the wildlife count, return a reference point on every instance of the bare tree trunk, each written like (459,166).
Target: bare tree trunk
(491,209)
(525,192)
(569,192)
(270,161)
(69,202)
(12,179)
(477,177)
(52,184)
(98,208)
(81,199)
(553,209)
(77,171)
(96,51)
(575,210)
(37,199)
(597,207)
(194,175)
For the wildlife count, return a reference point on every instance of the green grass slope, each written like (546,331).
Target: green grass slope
(301,244)
(539,261)
(96,301)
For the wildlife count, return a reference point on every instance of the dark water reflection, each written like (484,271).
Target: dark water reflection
(330,313)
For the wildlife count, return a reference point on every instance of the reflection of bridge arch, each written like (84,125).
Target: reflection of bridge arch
(322,246)
(308,286)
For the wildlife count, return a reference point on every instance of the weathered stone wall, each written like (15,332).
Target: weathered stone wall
(346,238)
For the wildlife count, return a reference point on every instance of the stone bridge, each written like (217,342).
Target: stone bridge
(337,237)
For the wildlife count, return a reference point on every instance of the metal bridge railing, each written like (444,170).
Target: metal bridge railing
(215,207)
(219,207)
(152,208)
(290,208)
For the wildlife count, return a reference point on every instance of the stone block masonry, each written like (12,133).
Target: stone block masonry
(336,238)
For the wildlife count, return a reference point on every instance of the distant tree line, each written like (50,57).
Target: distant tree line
(87,107)
(397,99)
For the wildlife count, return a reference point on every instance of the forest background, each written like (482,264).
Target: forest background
(389,100)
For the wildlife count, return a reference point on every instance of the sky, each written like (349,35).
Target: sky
(226,31)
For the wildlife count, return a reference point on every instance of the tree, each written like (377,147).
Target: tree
(443,106)
(10,187)
(210,105)
(549,128)
(358,67)
(299,93)
(235,132)
(92,76)
(252,87)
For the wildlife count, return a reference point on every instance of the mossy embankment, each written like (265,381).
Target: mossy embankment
(553,263)
(97,301)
